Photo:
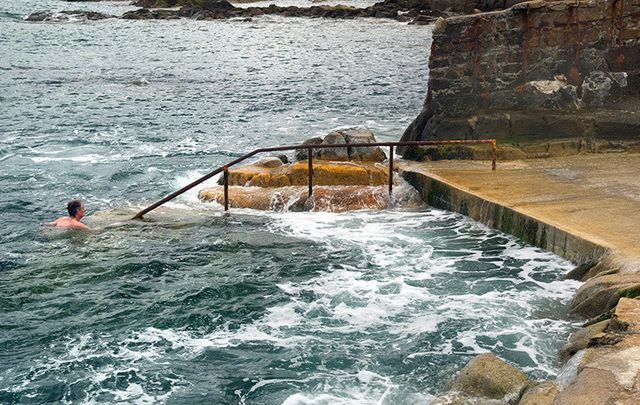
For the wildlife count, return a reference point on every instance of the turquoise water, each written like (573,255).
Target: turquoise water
(196,306)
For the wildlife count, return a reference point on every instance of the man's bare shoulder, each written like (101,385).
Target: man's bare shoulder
(68,222)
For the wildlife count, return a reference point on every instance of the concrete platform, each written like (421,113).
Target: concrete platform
(593,199)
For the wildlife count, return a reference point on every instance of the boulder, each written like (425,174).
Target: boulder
(458,398)
(355,136)
(540,393)
(583,338)
(302,154)
(487,376)
(350,136)
(600,294)
(48,16)
(336,154)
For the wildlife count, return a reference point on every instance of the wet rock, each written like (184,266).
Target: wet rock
(355,136)
(147,14)
(580,271)
(48,16)
(270,172)
(489,377)
(269,162)
(540,393)
(602,293)
(337,154)
(325,198)
(582,338)
(458,398)
(302,154)
(350,136)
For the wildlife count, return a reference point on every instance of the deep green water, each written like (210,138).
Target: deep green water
(196,306)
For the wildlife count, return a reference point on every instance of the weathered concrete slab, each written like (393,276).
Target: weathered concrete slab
(577,206)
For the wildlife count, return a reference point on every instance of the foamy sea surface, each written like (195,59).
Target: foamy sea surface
(195,306)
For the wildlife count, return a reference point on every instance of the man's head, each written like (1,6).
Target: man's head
(75,209)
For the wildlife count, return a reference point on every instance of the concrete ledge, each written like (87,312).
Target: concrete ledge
(439,194)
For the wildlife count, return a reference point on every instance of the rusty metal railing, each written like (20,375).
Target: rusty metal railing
(225,169)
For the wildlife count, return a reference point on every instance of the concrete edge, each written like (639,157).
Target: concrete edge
(440,194)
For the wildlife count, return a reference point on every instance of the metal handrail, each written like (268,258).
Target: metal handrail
(310,147)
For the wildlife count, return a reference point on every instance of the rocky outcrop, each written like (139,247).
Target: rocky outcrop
(295,198)
(609,372)
(271,172)
(539,73)
(348,136)
(70,15)
(402,10)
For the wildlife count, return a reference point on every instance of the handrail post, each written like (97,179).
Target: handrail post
(390,170)
(226,188)
(310,159)
(494,154)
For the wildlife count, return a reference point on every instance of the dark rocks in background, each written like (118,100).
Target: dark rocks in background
(417,11)
(147,14)
(541,70)
(49,16)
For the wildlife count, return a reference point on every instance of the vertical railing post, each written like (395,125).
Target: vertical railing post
(226,188)
(494,155)
(310,159)
(390,170)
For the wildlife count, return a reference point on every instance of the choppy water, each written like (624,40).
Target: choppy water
(250,308)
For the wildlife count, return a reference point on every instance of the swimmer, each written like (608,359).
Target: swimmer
(76,212)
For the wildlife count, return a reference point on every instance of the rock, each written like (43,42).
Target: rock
(269,162)
(489,377)
(602,293)
(349,136)
(146,14)
(457,398)
(301,154)
(579,272)
(610,374)
(283,158)
(325,198)
(270,172)
(540,393)
(582,338)
(47,16)
(354,136)
(596,88)
(336,154)
(547,94)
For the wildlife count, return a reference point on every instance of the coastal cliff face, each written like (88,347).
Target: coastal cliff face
(537,72)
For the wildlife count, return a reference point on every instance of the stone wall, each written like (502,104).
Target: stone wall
(538,71)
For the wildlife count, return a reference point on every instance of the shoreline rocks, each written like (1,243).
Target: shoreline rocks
(416,11)
(68,15)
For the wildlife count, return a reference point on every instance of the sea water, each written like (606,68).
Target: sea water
(197,306)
